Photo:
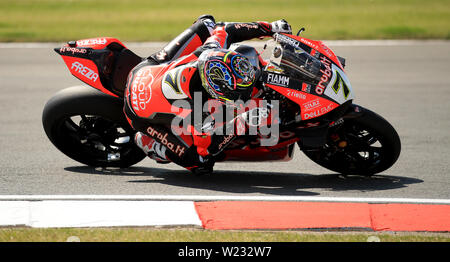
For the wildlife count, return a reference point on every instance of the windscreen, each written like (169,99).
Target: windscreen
(293,61)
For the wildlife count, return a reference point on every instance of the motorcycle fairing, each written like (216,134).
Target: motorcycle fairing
(283,154)
(103,63)
(318,87)
(338,87)
(99,43)
(87,71)
(311,106)
(162,85)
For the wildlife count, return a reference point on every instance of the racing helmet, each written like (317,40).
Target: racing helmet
(226,75)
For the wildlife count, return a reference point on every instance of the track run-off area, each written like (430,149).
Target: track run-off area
(407,82)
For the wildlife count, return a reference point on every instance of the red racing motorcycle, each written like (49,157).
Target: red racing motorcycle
(316,109)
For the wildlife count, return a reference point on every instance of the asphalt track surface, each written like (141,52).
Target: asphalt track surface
(408,83)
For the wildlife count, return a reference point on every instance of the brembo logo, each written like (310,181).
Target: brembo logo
(85,71)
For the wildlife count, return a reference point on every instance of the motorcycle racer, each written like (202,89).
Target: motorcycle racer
(197,61)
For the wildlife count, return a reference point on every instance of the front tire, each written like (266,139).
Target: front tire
(364,145)
(90,127)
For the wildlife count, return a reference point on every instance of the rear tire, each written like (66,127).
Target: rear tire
(371,146)
(90,127)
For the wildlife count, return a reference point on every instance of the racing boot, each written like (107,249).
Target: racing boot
(153,149)
(202,168)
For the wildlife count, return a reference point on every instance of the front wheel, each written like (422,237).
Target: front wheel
(364,145)
(90,127)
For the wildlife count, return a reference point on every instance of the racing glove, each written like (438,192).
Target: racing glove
(281,26)
(207,17)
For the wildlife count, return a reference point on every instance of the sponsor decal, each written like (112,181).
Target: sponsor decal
(89,42)
(310,105)
(327,50)
(72,50)
(318,112)
(162,137)
(225,140)
(274,69)
(296,94)
(141,91)
(309,43)
(287,40)
(245,25)
(326,75)
(84,71)
(306,88)
(276,79)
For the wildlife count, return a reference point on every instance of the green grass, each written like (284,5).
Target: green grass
(155,20)
(200,235)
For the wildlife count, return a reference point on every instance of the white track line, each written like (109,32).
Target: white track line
(219,198)
(66,213)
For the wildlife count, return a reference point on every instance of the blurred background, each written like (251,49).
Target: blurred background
(156,20)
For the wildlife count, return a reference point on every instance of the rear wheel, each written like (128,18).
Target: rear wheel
(364,145)
(90,127)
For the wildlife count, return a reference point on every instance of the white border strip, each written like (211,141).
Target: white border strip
(66,213)
(131,45)
(218,198)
